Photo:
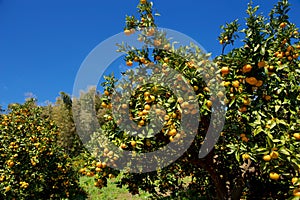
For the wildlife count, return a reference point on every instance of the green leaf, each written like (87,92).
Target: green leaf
(277,107)
(262,51)
(257,131)
(256,48)
(276,140)
(284,151)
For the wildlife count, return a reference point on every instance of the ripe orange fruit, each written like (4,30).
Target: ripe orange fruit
(296,192)
(274,154)
(245,156)
(106,93)
(10,163)
(236,83)
(90,174)
(226,84)
(180,100)
(247,68)
(196,88)
(129,63)
(127,32)
(166,46)
(267,158)
(246,102)
(191,97)
(294,180)
(209,103)
(133,143)
(146,94)
(174,115)
(295,32)
(7,188)
(141,123)
(220,94)
(167,117)
(156,43)
(177,136)
(152,98)
(259,83)
(297,136)
(243,109)
(243,135)
(172,132)
(82,170)
(185,104)
(225,70)
(104,105)
(295,56)
(109,118)
(284,41)
(145,112)
(282,24)
(261,64)
(290,58)
(290,48)
(245,139)
(143,60)
(124,106)
(105,150)
(143,1)
(151,32)
(147,107)
(132,31)
(268,97)
(280,55)
(251,80)
(271,68)
(206,89)
(104,165)
(140,39)
(274,176)
(99,164)
(171,138)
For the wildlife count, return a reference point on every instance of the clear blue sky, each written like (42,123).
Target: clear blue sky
(43,43)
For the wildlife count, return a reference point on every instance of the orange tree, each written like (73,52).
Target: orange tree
(257,155)
(32,166)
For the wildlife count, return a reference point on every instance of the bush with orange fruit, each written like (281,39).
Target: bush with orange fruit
(32,165)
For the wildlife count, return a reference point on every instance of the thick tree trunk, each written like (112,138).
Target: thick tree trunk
(238,189)
(208,165)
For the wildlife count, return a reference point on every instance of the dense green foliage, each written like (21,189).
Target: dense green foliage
(32,165)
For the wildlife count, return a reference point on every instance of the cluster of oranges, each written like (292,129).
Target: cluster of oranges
(289,54)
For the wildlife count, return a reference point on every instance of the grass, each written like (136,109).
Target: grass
(111,192)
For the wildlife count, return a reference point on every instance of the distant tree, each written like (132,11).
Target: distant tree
(1,110)
(61,113)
